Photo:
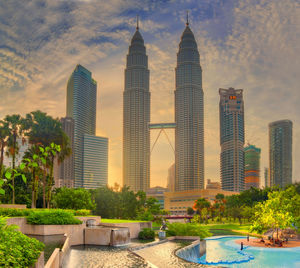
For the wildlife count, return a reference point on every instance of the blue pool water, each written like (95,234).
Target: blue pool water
(225,252)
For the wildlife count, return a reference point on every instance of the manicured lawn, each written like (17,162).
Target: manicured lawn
(229,229)
(118,221)
(230,226)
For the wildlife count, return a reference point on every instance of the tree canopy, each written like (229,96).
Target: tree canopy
(68,198)
(281,210)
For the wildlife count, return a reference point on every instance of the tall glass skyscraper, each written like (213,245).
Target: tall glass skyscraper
(252,166)
(136,117)
(81,106)
(280,152)
(95,161)
(232,139)
(189,116)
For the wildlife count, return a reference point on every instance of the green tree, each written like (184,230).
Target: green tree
(16,127)
(201,204)
(107,202)
(233,207)
(152,205)
(70,198)
(247,212)
(22,189)
(276,212)
(190,211)
(46,132)
(220,205)
(4,134)
(141,198)
(129,203)
(32,161)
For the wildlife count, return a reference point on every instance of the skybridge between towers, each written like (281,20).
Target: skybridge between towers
(162,127)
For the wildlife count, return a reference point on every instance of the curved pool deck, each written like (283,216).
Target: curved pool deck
(224,251)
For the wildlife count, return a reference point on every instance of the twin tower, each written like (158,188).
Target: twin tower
(189,115)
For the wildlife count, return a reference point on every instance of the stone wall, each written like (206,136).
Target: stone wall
(73,231)
(54,260)
(134,227)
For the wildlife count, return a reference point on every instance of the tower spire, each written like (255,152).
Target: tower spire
(137,22)
(187,18)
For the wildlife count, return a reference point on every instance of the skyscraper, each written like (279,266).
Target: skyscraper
(95,161)
(232,139)
(252,166)
(171,178)
(189,114)
(81,106)
(280,152)
(66,168)
(136,117)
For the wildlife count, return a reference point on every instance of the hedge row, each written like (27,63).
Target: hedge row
(14,212)
(52,217)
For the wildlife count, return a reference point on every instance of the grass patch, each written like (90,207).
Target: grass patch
(217,232)
(229,229)
(118,221)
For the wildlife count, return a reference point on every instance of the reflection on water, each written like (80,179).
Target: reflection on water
(101,256)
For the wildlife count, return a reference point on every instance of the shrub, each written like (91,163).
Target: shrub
(14,212)
(52,217)
(187,229)
(17,249)
(146,233)
(82,212)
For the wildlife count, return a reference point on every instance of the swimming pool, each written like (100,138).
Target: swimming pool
(225,252)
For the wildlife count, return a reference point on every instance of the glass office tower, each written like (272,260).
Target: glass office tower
(95,161)
(280,152)
(81,106)
(232,139)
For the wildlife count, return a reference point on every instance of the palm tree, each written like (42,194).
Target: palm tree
(45,131)
(16,128)
(4,132)
(32,165)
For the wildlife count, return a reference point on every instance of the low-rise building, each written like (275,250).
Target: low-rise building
(213,184)
(178,202)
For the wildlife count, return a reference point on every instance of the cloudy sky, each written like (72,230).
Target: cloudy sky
(248,44)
